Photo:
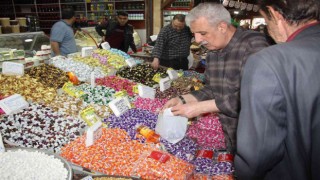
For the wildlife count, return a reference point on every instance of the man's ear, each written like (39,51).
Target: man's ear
(222,27)
(275,15)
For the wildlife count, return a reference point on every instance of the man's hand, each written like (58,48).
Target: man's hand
(172,102)
(155,63)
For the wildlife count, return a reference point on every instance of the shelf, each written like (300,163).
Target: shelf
(26,12)
(129,10)
(24,4)
(73,3)
(48,12)
(49,20)
(95,11)
(49,4)
(120,1)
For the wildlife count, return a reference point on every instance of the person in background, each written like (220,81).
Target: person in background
(279,124)
(172,46)
(62,36)
(229,48)
(119,34)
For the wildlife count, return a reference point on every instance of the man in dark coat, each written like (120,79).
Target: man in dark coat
(279,126)
(119,34)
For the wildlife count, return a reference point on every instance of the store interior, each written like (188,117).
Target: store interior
(97,111)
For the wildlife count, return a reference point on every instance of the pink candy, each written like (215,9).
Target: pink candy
(117,83)
(153,105)
(208,132)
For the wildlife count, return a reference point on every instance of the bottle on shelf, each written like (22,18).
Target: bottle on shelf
(148,133)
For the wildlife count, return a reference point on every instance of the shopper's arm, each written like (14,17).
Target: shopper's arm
(99,29)
(55,48)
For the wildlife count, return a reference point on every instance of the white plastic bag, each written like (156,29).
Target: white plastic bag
(171,128)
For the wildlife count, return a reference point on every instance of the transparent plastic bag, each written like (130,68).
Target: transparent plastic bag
(171,128)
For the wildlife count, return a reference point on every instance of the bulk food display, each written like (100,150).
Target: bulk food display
(69,122)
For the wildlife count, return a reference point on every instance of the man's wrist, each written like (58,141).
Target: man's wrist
(182,100)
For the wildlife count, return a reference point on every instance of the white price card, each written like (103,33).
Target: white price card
(105,45)
(93,133)
(13,104)
(119,106)
(165,83)
(131,62)
(92,80)
(2,148)
(86,51)
(172,74)
(11,68)
(146,91)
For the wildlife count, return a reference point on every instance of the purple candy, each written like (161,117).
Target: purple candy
(130,119)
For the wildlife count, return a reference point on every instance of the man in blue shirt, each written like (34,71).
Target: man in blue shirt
(62,36)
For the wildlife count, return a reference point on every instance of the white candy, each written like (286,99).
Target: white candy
(26,165)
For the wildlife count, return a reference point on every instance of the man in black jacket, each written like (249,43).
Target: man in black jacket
(119,34)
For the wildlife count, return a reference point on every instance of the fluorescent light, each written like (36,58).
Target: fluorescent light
(28,40)
(236,12)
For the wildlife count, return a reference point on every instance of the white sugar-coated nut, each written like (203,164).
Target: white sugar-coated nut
(26,165)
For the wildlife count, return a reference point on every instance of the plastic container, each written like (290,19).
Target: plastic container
(5,21)
(22,21)
(148,133)
(15,28)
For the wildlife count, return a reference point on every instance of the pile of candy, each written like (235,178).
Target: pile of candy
(82,71)
(48,75)
(130,119)
(117,83)
(40,127)
(26,86)
(22,164)
(98,95)
(142,73)
(71,106)
(115,154)
(171,92)
(207,131)
(152,105)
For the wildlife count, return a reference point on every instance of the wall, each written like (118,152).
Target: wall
(156,16)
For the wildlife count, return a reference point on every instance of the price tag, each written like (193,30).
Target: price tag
(71,90)
(159,156)
(2,148)
(121,94)
(13,104)
(89,116)
(156,77)
(131,62)
(119,106)
(11,68)
(92,80)
(165,83)
(93,133)
(135,89)
(105,45)
(86,51)
(172,74)
(146,92)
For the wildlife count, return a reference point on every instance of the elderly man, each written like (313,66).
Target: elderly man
(230,48)
(172,47)
(279,125)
